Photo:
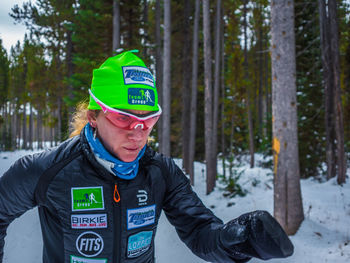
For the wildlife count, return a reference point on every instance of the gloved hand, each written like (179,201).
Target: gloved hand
(256,234)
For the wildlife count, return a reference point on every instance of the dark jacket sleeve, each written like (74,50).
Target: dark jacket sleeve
(195,224)
(17,187)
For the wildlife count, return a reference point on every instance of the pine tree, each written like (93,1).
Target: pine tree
(186,76)
(208,100)
(311,131)
(193,112)
(165,144)
(4,99)
(288,208)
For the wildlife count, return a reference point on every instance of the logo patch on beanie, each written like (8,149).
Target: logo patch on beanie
(137,96)
(137,75)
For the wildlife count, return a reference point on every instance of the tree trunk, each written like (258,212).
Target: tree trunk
(328,90)
(223,96)
(159,68)
(217,79)
(2,127)
(246,77)
(55,134)
(59,134)
(14,127)
(251,132)
(5,125)
(52,136)
(44,133)
(208,102)
(18,130)
(339,125)
(145,23)
(260,69)
(186,100)
(30,137)
(8,129)
(9,117)
(69,61)
(267,90)
(193,112)
(166,79)
(130,32)
(116,25)
(39,130)
(24,128)
(232,133)
(288,208)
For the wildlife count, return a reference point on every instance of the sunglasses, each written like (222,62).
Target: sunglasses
(126,120)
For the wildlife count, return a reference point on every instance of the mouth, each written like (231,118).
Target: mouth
(131,149)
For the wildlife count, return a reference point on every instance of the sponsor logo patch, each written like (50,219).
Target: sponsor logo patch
(89,221)
(137,75)
(139,243)
(138,96)
(89,244)
(140,217)
(142,196)
(87,198)
(74,259)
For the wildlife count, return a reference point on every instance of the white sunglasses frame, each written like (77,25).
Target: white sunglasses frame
(106,108)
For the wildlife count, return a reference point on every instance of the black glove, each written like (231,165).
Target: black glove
(256,234)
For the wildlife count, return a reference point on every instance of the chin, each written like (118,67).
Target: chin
(128,159)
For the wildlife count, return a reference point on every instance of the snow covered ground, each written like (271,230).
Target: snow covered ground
(324,236)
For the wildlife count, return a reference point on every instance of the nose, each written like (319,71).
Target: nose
(137,124)
(141,125)
(137,133)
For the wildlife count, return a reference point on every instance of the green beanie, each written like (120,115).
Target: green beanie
(124,82)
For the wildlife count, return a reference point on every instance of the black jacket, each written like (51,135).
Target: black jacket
(88,215)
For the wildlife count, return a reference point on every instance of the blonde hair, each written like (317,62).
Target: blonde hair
(79,118)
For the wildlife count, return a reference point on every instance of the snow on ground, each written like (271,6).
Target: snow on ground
(324,236)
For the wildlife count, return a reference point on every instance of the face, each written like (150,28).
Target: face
(124,144)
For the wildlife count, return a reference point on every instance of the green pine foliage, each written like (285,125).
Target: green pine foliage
(231,185)
(4,74)
(236,129)
(344,28)
(51,70)
(92,43)
(5,137)
(311,130)
(37,81)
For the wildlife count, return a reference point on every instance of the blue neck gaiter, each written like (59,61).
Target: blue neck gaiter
(119,168)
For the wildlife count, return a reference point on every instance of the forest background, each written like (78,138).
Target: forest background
(43,78)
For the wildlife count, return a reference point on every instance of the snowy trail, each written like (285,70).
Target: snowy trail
(324,236)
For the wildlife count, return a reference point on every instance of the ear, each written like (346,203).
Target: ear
(91,116)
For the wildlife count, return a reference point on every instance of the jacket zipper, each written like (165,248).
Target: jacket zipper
(117,225)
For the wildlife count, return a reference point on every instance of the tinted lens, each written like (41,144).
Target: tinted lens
(128,122)
(120,120)
(151,121)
